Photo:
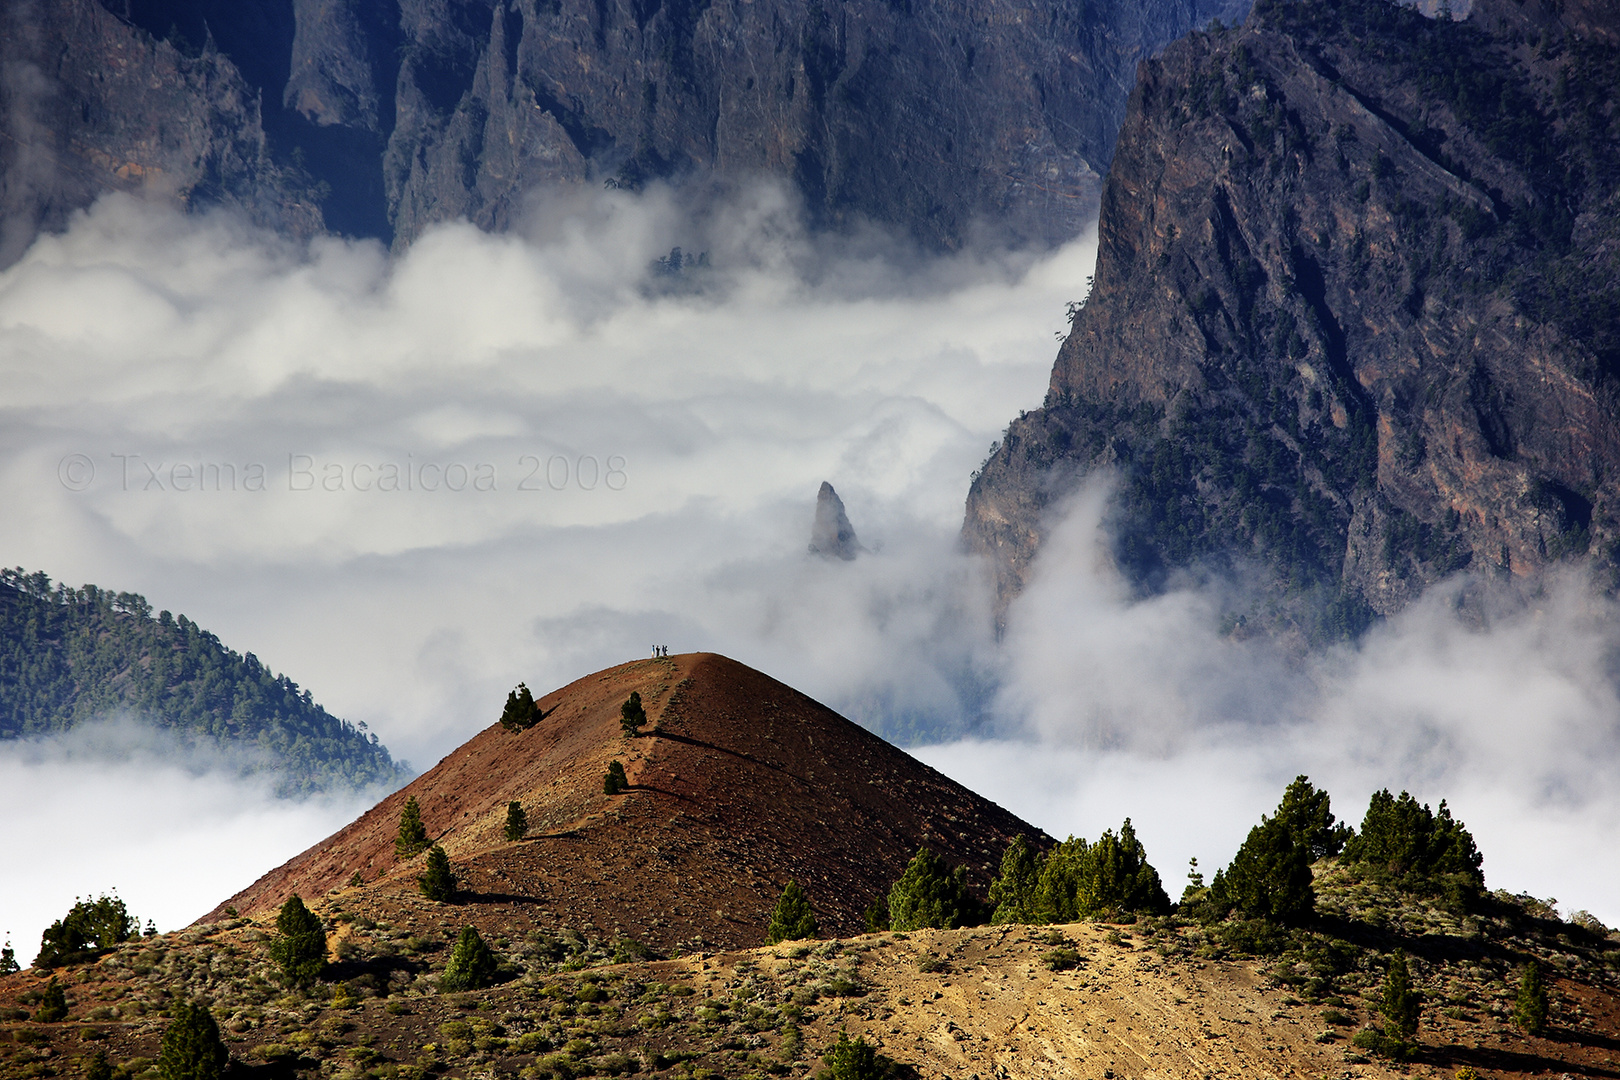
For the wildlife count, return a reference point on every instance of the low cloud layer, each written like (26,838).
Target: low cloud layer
(1511,712)
(411,483)
(115,806)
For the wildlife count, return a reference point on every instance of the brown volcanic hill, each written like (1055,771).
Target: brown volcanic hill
(740,784)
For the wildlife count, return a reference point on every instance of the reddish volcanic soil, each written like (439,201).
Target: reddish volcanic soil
(738,783)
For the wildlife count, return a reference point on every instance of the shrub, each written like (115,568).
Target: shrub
(931,894)
(90,928)
(471,967)
(438,881)
(1415,848)
(52,1004)
(615,781)
(632,715)
(1531,1007)
(1061,959)
(192,1048)
(792,920)
(413,837)
(517,822)
(520,713)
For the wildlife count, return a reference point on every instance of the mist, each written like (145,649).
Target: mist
(409,482)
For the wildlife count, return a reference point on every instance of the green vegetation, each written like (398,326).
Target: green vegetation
(68,656)
(517,822)
(192,1048)
(931,894)
(615,781)
(8,960)
(1531,1006)
(438,881)
(520,713)
(413,837)
(89,929)
(854,1059)
(1077,880)
(299,949)
(52,1004)
(792,919)
(632,715)
(99,1067)
(1269,878)
(472,966)
(1400,1004)
(1418,850)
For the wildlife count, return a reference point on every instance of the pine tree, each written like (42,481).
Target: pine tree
(8,959)
(632,715)
(517,822)
(615,781)
(192,1048)
(1399,1003)
(792,919)
(1308,814)
(471,966)
(1270,876)
(931,894)
(520,713)
(300,948)
(855,1060)
(90,928)
(52,1004)
(413,837)
(1531,1007)
(99,1067)
(1012,894)
(438,881)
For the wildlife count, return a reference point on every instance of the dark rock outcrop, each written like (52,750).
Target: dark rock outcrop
(90,103)
(832,536)
(1356,316)
(937,119)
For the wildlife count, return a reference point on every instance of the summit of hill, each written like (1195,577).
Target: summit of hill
(736,784)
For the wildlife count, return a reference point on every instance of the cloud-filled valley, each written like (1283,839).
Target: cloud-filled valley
(410,482)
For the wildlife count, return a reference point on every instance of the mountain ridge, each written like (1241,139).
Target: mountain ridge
(72,655)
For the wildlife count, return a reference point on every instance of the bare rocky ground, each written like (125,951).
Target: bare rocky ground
(630,934)
(1152,999)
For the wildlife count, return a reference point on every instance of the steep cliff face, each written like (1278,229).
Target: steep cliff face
(931,116)
(89,103)
(1356,315)
(938,119)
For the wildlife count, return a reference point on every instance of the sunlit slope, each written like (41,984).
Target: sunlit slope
(738,783)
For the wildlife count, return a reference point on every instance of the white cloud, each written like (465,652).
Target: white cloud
(1507,707)
(115,806)
(637,461)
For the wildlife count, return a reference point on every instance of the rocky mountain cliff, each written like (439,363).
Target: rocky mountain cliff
(380,117)
(1356,318)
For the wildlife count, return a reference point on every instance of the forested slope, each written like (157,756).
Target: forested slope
(68,656)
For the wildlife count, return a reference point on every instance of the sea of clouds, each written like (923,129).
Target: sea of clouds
(409,482)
